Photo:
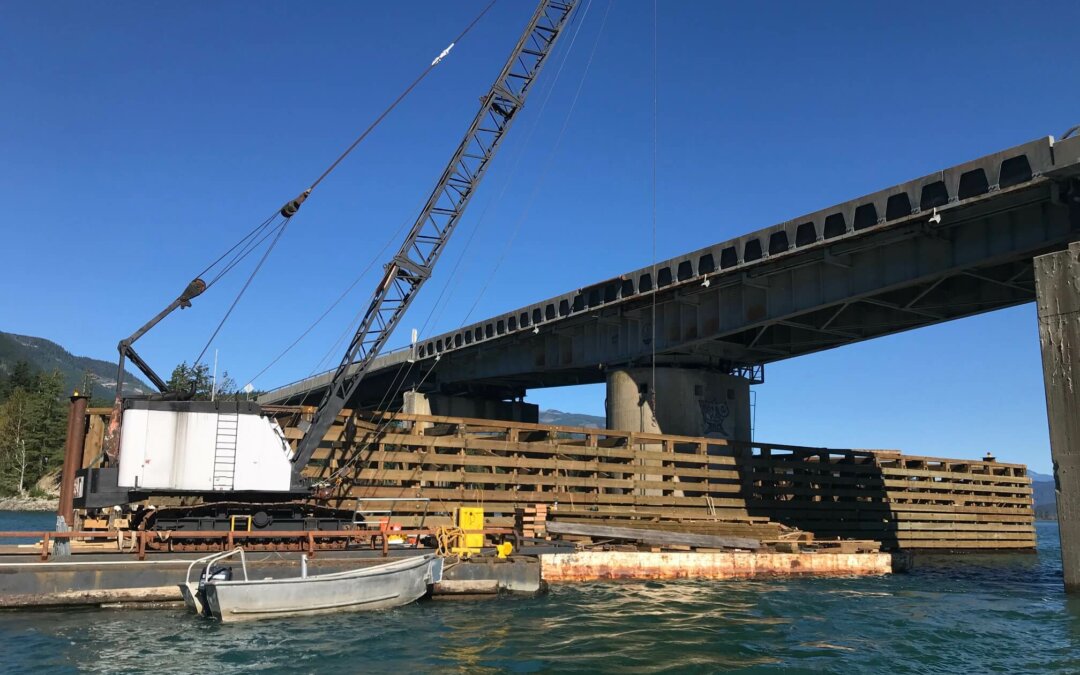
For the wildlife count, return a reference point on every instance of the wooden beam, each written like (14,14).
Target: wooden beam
(652,537)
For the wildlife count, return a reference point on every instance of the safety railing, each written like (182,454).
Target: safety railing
(310,542)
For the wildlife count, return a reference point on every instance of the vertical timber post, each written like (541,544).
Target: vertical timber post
(73,451)
(1057,292)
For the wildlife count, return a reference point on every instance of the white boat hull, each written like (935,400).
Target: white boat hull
(370,588)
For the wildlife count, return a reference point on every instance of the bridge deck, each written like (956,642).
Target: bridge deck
(950,244)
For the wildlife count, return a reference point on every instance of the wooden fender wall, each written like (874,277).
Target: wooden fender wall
(903,501)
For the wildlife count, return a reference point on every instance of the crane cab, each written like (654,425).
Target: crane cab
(201,448)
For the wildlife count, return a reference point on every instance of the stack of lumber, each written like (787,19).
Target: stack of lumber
(757,528)
(652,537)
(531,521)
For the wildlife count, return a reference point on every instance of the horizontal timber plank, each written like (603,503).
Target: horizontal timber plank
(652,536)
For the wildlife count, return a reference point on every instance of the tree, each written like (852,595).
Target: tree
(32,429)
(22,375)
(14,460)
(183,376)
(48,422)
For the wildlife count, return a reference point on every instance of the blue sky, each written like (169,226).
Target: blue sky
(140,139)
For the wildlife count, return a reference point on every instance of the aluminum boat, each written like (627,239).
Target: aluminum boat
(373,587)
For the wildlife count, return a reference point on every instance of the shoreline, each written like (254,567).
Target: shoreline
(30,504)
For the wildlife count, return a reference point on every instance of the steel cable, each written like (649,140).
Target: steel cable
(452,279)
(338,161)
(401,377)
(251,277)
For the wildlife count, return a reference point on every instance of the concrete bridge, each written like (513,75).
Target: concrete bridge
(991,233)
(954,243)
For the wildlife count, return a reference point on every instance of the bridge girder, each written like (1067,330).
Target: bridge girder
(959,251)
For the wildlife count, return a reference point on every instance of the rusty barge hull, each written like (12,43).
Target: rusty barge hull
(643,565)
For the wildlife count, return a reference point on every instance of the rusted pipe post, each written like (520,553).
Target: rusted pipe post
(73,450)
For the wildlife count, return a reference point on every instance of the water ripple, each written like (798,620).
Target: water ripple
(974,614)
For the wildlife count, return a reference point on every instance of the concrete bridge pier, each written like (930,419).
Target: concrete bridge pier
(686,401)
(468,406)
(1057,282)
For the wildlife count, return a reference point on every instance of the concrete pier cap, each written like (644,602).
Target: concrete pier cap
(681,401)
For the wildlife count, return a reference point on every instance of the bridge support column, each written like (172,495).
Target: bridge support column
(689,402)
(465,406)
(1057,284)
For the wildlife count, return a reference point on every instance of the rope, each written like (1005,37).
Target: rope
(446,538)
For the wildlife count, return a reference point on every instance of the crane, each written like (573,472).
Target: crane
(229,450)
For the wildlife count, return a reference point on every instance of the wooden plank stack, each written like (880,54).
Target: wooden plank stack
(531,521)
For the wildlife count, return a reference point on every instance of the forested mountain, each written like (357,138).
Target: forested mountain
(46,356)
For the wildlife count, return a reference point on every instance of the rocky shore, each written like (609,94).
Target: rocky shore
(27,504)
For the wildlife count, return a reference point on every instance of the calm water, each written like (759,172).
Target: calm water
(962,615)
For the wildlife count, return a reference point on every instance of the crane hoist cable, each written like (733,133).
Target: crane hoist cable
(452,279)
(401,377)
(544,171)
(652,320)
(198,286)
(291,207)
(408,271)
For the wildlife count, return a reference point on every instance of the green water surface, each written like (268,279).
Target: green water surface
(968,614)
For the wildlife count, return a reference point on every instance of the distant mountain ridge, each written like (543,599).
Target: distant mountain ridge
(568,419)
(46,355)
(1042,488)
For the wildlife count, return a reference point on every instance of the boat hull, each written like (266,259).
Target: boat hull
(379,587)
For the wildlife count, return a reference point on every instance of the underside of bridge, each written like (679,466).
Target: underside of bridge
(955,243)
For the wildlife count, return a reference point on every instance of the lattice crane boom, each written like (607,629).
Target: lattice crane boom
(412,265)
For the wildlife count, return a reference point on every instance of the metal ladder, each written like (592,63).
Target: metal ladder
(225,451)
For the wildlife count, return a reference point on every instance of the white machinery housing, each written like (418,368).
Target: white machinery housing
(202,446)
